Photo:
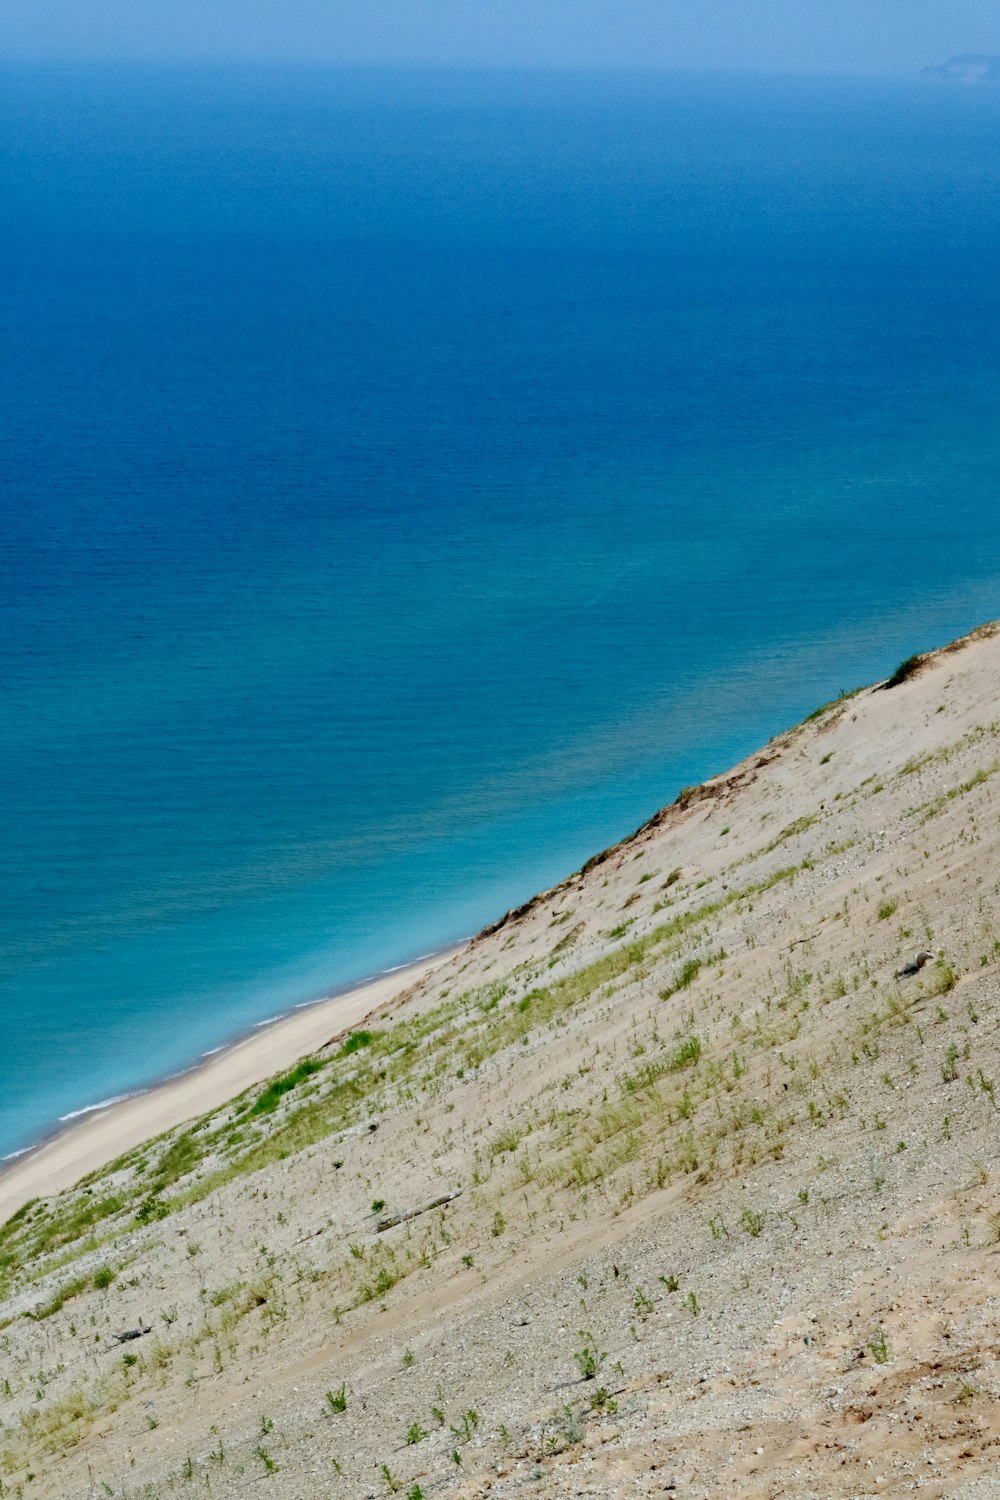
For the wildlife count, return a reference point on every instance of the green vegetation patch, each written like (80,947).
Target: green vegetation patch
(938,804)
(278,1087)
(904,672)
(355,1042)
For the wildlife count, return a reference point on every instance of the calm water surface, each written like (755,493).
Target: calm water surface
(409,481)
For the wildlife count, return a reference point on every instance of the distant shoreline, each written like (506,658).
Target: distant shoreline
(90,1137)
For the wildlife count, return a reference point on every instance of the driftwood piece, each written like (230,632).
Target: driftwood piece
(129,1334)
(414,1213)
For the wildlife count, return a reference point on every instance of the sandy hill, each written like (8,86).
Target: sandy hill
(665,1185)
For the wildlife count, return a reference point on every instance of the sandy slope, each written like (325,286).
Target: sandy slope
(721,1191)
(84,1147)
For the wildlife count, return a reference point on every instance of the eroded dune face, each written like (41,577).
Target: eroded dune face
(672,1182)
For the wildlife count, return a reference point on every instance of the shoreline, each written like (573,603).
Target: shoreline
(88,1138)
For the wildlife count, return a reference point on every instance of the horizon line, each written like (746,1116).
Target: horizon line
(271,62)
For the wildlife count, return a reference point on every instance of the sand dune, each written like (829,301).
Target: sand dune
(664,1185)
(105,1134)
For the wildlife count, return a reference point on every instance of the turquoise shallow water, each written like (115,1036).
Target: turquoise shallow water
(409,481)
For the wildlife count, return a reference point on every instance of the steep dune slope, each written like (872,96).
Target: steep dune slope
(715,1203)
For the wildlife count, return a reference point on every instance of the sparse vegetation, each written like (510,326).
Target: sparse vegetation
(878,1346)
(589,1357)
(271,1097)
(533,1098)
(752,1221)
(904,672)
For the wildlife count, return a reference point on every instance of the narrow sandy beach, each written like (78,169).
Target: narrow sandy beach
(680,1180)
(101,1136)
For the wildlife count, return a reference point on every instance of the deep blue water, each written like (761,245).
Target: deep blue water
(410,481)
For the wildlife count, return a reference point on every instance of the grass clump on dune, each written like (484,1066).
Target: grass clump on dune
(904,672)
(278,1087)
(356,1041)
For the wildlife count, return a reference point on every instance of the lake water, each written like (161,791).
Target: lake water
(409,481)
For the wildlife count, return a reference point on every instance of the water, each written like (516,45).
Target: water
(410,481)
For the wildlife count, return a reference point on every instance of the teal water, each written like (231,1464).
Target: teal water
(410,481)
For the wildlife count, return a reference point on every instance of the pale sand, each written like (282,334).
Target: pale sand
(732,1156)
(106,1134)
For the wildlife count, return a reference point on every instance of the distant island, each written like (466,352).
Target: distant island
(970,67)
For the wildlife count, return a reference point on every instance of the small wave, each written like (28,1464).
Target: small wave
(212,1051)
(257,1025)
(13,1155)
(90,1109)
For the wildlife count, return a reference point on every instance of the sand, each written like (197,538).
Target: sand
(720,1214)
(107,1133)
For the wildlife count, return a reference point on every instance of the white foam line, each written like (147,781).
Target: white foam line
(90,1109)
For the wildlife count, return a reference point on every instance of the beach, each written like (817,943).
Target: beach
(353,593)
(500,927)
(678,1179)
(91,1142)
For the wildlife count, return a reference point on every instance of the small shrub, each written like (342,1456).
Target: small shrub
(571,1426)
(687,976)
(904,671)
(589,1358)
(467,1426)
(878,1346)
(270,1467)
(507,1140)
(945,979)
(151,1209)
(685,1054)
(356,1041)
(752,1222)
(337,1400)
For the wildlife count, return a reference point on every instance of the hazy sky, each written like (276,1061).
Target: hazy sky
(873,36)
